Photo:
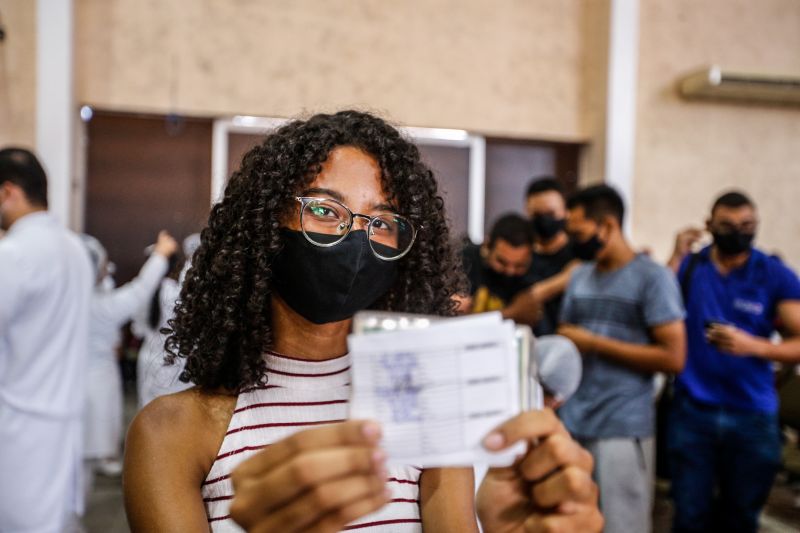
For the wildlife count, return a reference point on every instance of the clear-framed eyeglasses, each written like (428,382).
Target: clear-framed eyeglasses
(326,222)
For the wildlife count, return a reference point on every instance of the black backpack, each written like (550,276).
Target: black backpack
(665,400)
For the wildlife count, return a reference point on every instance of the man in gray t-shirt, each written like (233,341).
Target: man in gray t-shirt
(624,312)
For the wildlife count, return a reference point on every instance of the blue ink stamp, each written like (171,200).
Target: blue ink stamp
(402,393)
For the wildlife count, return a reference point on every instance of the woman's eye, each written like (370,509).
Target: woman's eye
(382,225)
(322,212)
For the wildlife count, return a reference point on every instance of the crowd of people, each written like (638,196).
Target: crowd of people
(715,319)
(62,391)
(244,373)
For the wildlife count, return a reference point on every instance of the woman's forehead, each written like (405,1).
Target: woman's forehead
(354,175)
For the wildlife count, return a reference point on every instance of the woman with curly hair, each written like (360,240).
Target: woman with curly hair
(328,216)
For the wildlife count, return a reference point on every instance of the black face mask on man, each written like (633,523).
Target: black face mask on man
(505,287)
(330,284)
(733,242)
(587,250)
(547,226)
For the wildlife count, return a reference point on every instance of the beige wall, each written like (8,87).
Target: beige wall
(687,152)
(510,68)
(18,73)
(525,68)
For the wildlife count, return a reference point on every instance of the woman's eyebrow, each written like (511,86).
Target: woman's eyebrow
(330,193)
(384,207)
(324,192)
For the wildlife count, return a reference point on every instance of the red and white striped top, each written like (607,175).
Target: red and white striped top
(299,395)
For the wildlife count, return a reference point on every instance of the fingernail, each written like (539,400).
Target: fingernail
(371,430)
(387,493)
(493,441)
(383,474)
(378,458)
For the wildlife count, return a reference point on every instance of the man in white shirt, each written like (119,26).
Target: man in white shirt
(45,287)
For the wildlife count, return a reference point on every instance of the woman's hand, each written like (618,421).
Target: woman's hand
(549,489)
(316,480)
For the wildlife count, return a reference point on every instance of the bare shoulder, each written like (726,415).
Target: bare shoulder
(193,421)
(186,408)
(169,450)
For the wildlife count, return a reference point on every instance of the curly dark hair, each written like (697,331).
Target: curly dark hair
(222,323)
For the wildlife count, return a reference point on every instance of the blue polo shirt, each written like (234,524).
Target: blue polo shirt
(746,298)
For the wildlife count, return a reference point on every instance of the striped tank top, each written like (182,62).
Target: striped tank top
(299,395)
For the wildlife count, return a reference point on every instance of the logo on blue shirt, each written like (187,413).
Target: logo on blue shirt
(748,306)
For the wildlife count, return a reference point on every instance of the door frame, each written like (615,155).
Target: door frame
(476,144)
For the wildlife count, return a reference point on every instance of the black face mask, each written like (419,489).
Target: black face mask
(330,284)
(547,226)
(505,287)
(733,242)
(588,249)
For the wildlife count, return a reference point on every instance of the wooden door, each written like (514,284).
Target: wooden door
(144,174)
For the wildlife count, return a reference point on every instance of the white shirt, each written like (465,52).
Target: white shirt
(45,287)
(154,378)
(110,309)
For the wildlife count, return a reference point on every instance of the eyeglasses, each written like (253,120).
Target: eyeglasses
(326,222)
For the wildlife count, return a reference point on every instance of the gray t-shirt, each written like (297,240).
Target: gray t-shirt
(614,400)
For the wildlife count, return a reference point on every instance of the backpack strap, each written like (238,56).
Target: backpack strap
(686,279)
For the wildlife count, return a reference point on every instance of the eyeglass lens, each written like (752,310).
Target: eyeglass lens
(326,222)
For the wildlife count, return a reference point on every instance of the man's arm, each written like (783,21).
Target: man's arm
(553,286)
(667,353)
(787,351)
(735,341)
(526,307)
(11,282)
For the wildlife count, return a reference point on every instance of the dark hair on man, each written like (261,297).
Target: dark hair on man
(20,167)
(513,229)
(223,318)
(540,184)
(598,202)
(732,199)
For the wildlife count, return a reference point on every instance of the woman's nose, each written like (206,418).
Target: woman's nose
(363,220)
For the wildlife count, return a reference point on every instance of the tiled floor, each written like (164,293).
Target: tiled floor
(105,512)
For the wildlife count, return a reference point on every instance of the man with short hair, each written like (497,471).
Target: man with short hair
(496,270)
(624,313)
(723,433)
(45,286)
(552,250)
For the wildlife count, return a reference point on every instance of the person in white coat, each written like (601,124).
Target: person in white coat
(110,310)
(45,286)
(153,377)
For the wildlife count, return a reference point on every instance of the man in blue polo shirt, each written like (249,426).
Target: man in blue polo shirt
(723,431)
